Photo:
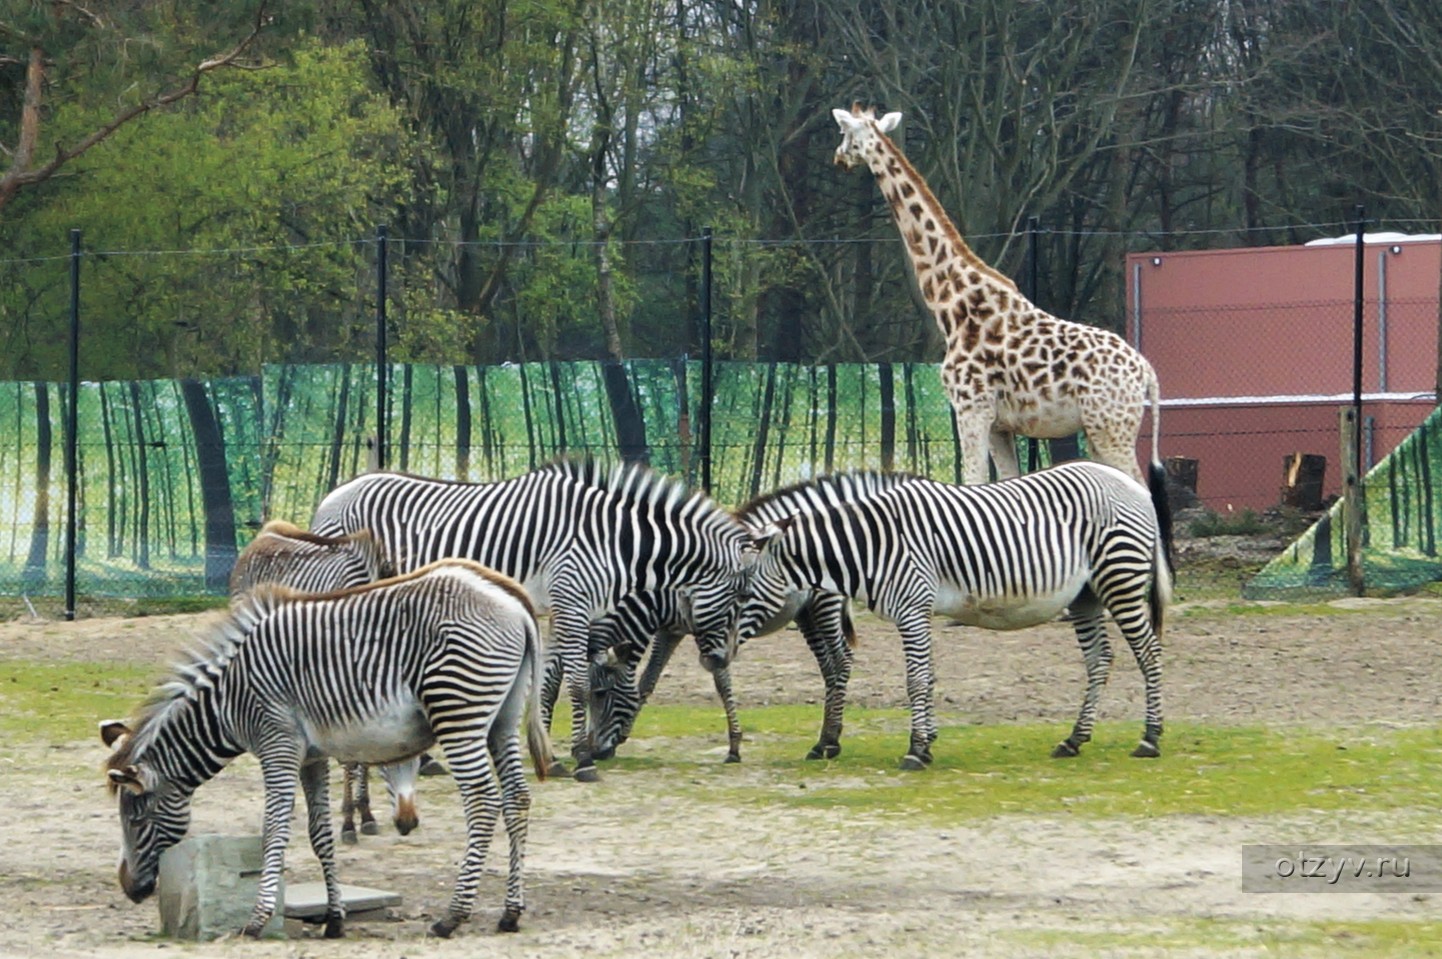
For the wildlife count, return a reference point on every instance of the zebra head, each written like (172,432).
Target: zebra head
(615,702)
(154,813)
(771,592)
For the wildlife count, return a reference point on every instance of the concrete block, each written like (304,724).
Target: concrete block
(207,887)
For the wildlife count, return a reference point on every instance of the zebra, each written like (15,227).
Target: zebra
(1082,537)
(447,654)
(618,640)
(579,536)
(285,554)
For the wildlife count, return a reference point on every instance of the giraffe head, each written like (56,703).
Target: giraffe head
(860,133)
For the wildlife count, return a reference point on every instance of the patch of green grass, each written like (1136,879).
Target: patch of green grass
(63,702)
(1273,938)
(983,771)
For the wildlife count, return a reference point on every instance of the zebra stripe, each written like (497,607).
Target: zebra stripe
(284,554)
(448,654)
(1082,538)
(824,620)
(579,537)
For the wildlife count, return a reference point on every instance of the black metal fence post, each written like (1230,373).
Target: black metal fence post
(382,366)
(707,387)
(1357,317)
(72,426)
(1033,445)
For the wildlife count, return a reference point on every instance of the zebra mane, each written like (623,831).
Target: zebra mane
(198,670)
(852,484)
(636,484)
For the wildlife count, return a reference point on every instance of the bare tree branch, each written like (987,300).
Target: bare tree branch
(21,174)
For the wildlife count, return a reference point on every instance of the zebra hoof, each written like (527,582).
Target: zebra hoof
(370,829)
(1146,750)
(510,921)
(732,758)
(912,763)
(442,928)
(335,928)
(253,930)
(349,837)
(1065,750)
(558,770)
(587,774)
(601,755)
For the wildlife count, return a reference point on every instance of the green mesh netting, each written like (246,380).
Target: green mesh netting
(1402,512)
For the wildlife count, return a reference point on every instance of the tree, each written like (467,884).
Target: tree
(58,38)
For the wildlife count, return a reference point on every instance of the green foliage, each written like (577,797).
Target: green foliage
(279,171)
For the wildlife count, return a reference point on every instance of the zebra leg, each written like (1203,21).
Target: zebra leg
(280,774)
(1091,635)
(826,639)
(1136,626)
(571,634)
(314,779)
(662,646)
(368,825)
(475,774)
(516,808)
(915,631)
(722,678)
(349,772)
(550,692)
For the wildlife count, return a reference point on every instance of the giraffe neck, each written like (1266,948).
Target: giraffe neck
(959,288)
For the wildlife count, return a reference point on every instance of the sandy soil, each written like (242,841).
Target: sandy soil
(612,871)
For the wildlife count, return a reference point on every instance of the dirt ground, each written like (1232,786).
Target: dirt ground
(612,872)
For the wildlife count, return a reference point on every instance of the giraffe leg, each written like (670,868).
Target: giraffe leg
(1003,453)
(972,430)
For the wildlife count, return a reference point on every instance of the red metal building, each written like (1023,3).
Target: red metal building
(1254,350)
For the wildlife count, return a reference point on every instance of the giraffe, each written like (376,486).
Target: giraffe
(1010,368)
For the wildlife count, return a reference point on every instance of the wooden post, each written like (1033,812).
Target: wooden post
(1352,498)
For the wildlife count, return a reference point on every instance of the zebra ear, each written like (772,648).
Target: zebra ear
(112,730)
(128,779)
(763,536)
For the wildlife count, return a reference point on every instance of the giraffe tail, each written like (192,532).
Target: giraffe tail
(1154,396)
(1163,569)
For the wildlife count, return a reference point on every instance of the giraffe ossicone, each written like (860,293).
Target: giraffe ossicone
(1010,368)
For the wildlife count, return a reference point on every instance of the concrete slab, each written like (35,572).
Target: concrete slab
(306,900)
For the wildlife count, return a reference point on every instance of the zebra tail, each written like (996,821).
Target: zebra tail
(848,628)
(1163,568)
(538,740)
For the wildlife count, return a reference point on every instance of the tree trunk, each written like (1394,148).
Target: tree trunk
(215,498)
(142,472)
(463,425)
(630,423)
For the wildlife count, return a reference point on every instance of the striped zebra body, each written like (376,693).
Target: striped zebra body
(1083,538)
(286,555)
(579,537)
(823,618)
(449,654)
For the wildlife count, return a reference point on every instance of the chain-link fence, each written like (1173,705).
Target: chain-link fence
(174,475)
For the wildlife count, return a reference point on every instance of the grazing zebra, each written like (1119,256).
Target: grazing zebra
(824,619)
(448,654)
(284,554)
(578,536)
(1082,537)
